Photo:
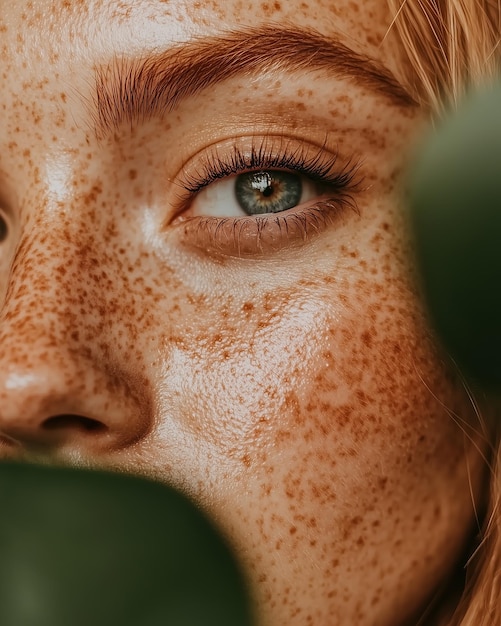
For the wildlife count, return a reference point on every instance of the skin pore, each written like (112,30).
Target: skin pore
(277,368)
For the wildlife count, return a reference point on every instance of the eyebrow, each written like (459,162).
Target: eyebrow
(131,90)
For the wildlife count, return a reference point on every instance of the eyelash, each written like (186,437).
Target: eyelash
(320,167)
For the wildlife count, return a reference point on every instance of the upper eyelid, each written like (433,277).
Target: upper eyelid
(269,152)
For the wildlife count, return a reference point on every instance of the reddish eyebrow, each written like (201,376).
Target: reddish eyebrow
(136,89)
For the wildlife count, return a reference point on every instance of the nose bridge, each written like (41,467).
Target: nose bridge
(38,285)
(55,384)
(36,322)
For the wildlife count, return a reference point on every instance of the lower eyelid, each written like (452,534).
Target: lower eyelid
(261,236)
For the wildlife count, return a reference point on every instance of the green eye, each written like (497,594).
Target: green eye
(268,191)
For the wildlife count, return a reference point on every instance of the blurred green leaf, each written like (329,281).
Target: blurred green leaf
(92,548)
(455,214)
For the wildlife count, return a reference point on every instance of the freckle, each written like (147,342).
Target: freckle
(246,460)
(132,174)
(367,339)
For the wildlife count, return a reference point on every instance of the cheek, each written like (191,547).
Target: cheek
(340,361)
(317,421)
(349,464)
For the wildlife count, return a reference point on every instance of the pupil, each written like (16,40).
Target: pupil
(262,182)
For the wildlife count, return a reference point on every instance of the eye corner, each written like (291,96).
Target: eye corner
(4,227)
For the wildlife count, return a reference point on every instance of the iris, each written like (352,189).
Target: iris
(268,191)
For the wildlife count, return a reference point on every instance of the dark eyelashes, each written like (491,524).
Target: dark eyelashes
(320,166)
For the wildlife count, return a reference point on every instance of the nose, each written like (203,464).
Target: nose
(63,388)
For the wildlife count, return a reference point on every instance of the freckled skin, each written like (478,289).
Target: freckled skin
(296,395)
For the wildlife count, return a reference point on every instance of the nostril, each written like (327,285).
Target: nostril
(73,422)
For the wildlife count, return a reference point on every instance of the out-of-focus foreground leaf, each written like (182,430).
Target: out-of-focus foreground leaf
(455,215)
(84,548)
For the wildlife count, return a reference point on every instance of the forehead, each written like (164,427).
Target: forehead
(52,47)
(91,26)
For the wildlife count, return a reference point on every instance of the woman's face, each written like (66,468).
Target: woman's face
(204,277)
